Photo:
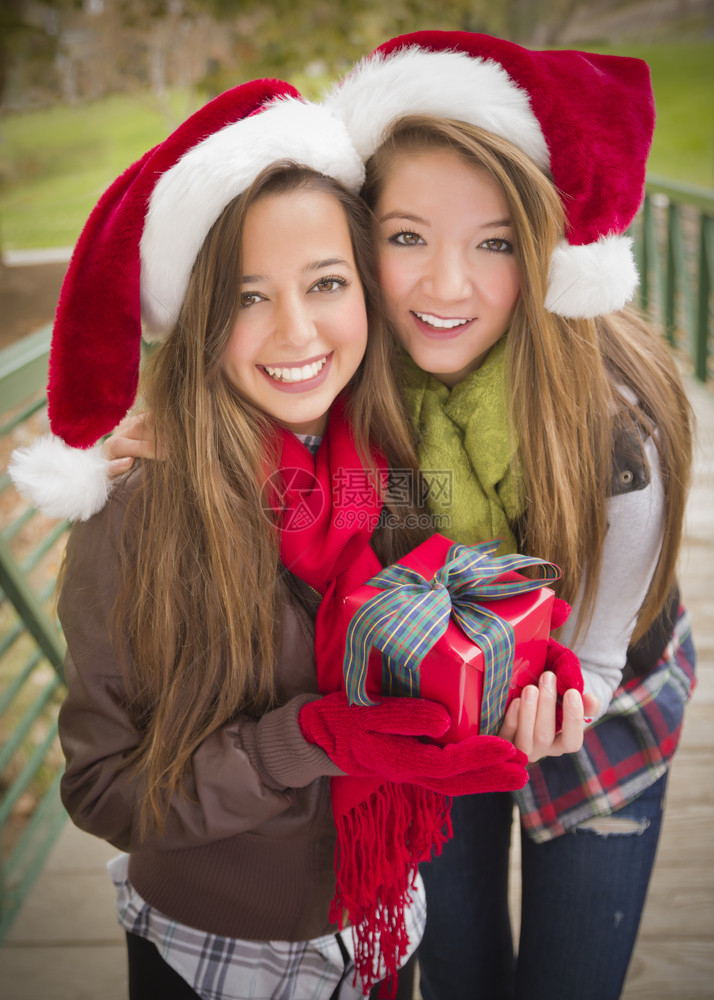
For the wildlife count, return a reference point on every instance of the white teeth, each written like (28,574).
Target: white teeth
(301,374)
(441,324)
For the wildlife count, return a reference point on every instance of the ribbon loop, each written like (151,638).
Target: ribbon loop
(411,614)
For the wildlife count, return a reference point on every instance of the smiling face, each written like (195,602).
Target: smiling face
(446,256)
(301,329)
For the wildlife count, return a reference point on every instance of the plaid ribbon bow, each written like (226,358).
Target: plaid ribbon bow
(405,621)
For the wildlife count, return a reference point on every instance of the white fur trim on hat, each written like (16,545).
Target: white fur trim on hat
(418,81)
(587,281)
(189,197)
(70,483)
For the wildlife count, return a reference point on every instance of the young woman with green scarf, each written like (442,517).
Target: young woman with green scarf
(502,181)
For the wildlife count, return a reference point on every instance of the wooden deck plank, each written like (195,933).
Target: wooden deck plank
(664,968)
(686,837)
(680,903)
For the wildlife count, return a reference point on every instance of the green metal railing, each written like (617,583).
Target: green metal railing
(31,646)
(674,245)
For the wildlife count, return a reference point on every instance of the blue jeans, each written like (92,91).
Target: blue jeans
(582,898)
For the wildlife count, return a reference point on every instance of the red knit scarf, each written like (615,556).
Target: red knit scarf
(330,507)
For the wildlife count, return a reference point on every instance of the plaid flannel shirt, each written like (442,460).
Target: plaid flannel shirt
(220,968)
(623,753)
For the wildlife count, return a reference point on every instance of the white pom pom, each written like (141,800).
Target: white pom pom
(70,483)
(591,280)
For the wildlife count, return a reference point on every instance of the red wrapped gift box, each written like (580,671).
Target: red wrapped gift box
(452,672)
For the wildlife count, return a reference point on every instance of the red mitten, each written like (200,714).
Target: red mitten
(559,613)
(383,741)
(342,729)
(476,764)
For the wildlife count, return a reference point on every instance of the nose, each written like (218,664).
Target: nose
(295,325)
(448,276)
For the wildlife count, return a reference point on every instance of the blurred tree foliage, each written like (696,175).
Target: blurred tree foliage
(71,50)
(284,35)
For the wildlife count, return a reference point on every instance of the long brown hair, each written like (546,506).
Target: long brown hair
(566,377)
(203,587)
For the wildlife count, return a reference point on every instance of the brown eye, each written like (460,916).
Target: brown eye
(330,284)
(406,239)
(497,246)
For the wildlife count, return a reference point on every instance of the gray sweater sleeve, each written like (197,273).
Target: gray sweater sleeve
(631,550)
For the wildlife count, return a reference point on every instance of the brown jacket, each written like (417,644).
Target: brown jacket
(250,852)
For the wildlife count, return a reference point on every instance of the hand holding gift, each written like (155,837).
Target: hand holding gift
(549,720)
(559,660)
(385,741)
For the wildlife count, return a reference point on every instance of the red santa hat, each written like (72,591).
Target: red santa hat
(587,120)
(132,263)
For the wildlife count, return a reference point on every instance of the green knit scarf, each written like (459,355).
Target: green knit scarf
(465,451)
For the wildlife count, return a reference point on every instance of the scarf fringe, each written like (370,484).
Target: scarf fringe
(380,843)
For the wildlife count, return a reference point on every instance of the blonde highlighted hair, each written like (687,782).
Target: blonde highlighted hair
(566,400)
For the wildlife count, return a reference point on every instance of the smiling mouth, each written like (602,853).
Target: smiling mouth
(439,323)
(295,373)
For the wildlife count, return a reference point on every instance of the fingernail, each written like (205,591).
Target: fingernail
(530,693)
(572,699)
(548,681)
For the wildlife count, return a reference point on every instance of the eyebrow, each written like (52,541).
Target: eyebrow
(314,265)
(496,223)
(403,215)
(317,265)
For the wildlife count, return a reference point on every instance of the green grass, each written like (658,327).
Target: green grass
(55,164)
